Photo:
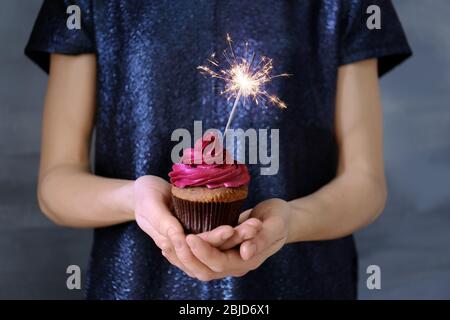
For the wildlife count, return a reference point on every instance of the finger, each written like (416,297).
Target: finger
(245,215)
(160,218)
(154,205)
(247,250)
(245,231)
(175,234)
(268,240)
(217,236)
(166,247)
(162,242)
(187,258)
(216,260)
(173,259)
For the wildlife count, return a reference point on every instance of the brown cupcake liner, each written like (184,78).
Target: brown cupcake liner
(198,217)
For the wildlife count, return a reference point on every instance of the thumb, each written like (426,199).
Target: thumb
(218,236)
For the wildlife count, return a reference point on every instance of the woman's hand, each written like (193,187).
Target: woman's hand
(275,217)
(153,215)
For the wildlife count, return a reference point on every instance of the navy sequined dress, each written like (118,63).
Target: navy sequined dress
(147,86)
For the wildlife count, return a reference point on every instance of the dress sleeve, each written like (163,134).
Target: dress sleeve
(50,33)
(388,44)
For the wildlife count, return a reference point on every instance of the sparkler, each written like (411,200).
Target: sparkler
(244,77)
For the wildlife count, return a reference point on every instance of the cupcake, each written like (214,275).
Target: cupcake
(208,186)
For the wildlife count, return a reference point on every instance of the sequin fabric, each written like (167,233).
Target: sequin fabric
(148,85)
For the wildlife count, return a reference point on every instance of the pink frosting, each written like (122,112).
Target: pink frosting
(205,166)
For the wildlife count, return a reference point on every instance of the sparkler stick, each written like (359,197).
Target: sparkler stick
(243,77)
(233,111)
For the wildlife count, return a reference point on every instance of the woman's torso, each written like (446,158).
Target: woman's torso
(148,86)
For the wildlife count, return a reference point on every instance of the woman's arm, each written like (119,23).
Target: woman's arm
(350,201)
(67,192)
(358,194)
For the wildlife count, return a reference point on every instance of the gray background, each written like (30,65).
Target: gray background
(410,242)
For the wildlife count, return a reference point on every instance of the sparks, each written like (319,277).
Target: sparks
(244,76)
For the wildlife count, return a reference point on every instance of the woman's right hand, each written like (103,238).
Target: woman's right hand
(153,215)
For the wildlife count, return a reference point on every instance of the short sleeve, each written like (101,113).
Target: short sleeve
(359,42)
(50,33)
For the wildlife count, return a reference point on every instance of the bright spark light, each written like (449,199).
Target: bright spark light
(243,76)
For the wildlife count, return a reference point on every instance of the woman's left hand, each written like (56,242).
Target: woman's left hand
(275,217)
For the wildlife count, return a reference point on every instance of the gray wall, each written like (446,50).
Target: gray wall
(34,254)
(409,242)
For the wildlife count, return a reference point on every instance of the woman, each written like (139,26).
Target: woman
(129,72)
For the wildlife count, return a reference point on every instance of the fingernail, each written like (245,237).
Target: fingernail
(256,223)
(190,240)
(251,250)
